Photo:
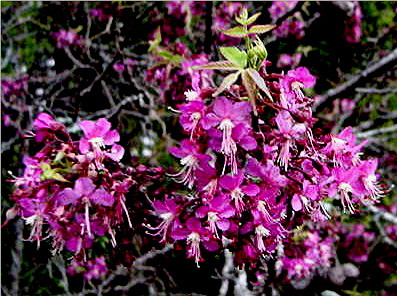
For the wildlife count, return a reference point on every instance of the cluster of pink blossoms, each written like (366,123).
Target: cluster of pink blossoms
(292,26)
(171,77)
(249,175)
(66,38)
(310,253)
(353,29)
(73,192)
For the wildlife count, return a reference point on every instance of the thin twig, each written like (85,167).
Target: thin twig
(376,90)
(17,257)
(141,260)
(385,62)
(226,272)
(385,215)
(383,234)
(378,131)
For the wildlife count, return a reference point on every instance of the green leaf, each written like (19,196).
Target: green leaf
(252,18)
(244,13)
(240,20)
(248,83)
(60,155)
(220,65)
(251,88)
(226,83)
(166,54)
(260,48)
(257,54)
(50,174)
(235,55)
(247,21)
(259,82)
(236,32)
(157,40)
(259,29)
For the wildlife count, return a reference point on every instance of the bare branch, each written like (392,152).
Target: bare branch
(385,215)
(376,90)
(374,132)
(384,63)
(226,272)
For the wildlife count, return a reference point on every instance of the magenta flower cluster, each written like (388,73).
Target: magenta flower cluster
(249,175)
(73,192)
(66,38)
(292,26)
(353,29)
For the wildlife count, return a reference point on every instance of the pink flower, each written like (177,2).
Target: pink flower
(191,160)
(343,149)
(289,131)
(286,60)
(168,211)
(97,135)
(96,269)
(309,194)
(45,126)
(225,116)
(367,184)
(66,38)
(218,209)
(344,184)
(240,135)
(279,8)
(237,191)
(118,67)
(268,173)
(195,234)
(207,180)
(192,114)
(84,188)
(86,193)
(353,29)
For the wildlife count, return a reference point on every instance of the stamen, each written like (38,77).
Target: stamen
(97,142)
(228,147)
(297,89)
(87,219)
(306,204)
(194,251)
(226,126)
(372,187)
(262,208)
(284,155)
(344,190)
(261,232)
(211,187)
(195,117)
(212,218)
(237,195)
(163,226)
(186,174)
(191,95)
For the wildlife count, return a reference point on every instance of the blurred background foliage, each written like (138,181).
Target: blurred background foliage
(80,82)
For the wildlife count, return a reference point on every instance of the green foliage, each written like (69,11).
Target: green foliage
(235,56)
(31,39)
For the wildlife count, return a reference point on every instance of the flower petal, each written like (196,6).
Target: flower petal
(250,190)
(223,224)
(111,137)
(102,197)
(88,128)
(84,186)
(296,203)
(67,196)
